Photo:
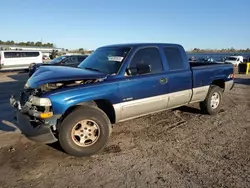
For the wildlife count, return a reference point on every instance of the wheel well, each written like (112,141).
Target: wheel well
(104,105)
(107,107)
(220,83)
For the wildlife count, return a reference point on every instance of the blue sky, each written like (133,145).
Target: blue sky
(93,23)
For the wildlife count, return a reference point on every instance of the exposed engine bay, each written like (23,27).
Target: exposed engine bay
(58,85)
(30,92)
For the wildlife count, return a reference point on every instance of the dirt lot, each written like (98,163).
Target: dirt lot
(178,148)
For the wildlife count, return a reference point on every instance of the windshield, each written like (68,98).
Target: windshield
(106,60)
(57,60)
(231,58)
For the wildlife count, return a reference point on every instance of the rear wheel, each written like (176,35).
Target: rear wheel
(85,131)
(211,105)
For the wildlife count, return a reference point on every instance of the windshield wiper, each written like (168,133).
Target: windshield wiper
(91,69)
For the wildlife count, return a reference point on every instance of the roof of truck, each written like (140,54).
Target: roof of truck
(141,44)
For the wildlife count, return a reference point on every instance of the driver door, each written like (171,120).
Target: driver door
(145,93)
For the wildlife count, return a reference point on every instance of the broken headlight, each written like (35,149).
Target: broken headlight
(40,101)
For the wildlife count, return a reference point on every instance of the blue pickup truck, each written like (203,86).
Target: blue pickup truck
(79,106)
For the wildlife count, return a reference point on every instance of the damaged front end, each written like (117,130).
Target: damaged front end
(34,113)
(35,117)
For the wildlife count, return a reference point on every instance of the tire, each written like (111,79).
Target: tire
(70,137)
(210,106)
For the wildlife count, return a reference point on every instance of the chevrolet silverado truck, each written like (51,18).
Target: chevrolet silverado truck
(79,106)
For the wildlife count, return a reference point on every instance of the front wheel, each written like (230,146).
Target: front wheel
(211,105)
(85,131)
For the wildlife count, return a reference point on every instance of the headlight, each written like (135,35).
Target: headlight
(40,101)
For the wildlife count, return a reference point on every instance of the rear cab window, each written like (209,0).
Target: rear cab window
(174,58)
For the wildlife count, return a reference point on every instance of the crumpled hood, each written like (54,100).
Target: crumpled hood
(50,74)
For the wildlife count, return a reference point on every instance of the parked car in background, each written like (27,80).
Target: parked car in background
(66,60)
(235,60)
(15,60)
(204,60)
(76,106)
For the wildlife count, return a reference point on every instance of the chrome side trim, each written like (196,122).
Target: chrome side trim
(136,108)
(117,108)
(179,98)
(228,85)
(141,107)
(199,94)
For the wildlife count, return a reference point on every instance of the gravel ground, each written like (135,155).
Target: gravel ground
(177,148)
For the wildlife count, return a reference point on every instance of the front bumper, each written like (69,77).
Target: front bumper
(35,130)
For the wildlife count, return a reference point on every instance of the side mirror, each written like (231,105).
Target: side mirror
(140,68)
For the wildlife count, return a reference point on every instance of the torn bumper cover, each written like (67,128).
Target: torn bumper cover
(35,130)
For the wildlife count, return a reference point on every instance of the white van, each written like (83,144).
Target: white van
(13,60)
(235,60)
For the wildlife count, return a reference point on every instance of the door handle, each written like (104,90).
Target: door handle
(163,80)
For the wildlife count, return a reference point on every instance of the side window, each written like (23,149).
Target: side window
(174,58)
(29,54)
(81,58)
(8,54)
(71,60)
(33,54)
(150,56)
(12,54)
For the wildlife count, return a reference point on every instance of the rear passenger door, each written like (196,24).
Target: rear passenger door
(144,93)
(179,76)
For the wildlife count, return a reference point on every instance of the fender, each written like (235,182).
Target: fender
(64,99)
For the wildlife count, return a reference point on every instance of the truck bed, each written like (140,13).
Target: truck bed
(205,73)
(197,64)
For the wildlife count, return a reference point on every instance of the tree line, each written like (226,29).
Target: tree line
(29,43)
(198,50)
